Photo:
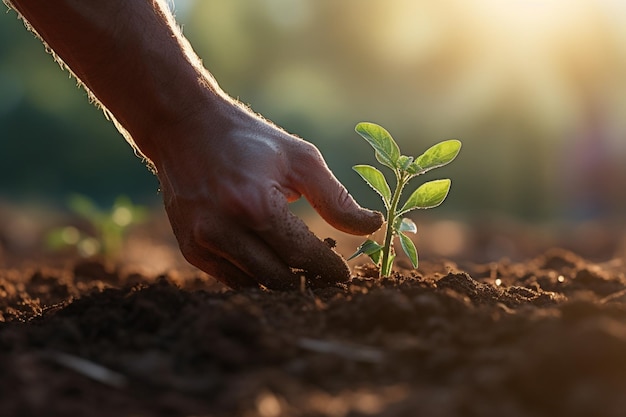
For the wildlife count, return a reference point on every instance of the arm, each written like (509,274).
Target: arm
(130,56)
(227,175)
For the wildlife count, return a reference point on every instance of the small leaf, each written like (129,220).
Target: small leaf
(375,179)
(387,151)
(436,156)
(404,162)
(368,247)
(407,225)
(414,169)
(428,195)
(409,248)
(375,256)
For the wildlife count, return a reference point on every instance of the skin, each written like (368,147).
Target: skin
(227,175)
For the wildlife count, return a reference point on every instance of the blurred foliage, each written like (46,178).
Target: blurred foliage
(534,89)
(52,142)
(107,228)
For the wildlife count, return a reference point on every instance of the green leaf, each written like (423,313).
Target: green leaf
(404,162)
(407,225)
(84,207)
(369,247)
(414,169)
(387,151)
(375,179)
(428,195)
(375,256)
(436,156)
(409,248)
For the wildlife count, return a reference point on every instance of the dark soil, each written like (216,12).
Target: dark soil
(545,337)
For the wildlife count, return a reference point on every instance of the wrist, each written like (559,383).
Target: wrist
(202,125)
(169,120)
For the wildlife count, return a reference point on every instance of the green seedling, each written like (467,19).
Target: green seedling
(108,227)
(405,168)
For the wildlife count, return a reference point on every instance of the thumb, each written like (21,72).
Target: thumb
(333,202)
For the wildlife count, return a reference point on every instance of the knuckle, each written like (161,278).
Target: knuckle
(191,253)
(237,201)
(189,247)
(195,238)
(251,206)
(308,165)
(345,201)
(310,156)
(203,235)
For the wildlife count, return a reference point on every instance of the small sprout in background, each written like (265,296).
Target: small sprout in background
(109,227)
(428,195)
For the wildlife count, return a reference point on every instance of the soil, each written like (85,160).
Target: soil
(543,337)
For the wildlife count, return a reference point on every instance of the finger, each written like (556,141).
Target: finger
(292,240)
(245,253)
(221,269)
(331,199)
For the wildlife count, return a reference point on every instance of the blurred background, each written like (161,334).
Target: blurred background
(534,89)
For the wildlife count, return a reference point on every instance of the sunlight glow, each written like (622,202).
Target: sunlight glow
(535,17)
(88,247)
(519,80)
(533,56)
(122,216)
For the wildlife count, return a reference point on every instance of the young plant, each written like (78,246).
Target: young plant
(428,195)
(108,227)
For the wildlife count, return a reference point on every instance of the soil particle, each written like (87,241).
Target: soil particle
(330,242)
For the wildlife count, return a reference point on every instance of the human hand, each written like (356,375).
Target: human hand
(227,182)
(227,175)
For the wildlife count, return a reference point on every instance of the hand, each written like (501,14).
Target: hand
(227,182)
(227,175)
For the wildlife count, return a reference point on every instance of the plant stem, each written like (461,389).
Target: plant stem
(391,214)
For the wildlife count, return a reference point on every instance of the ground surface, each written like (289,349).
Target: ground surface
(544,337)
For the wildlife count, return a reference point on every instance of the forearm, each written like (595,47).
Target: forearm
(133,59)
